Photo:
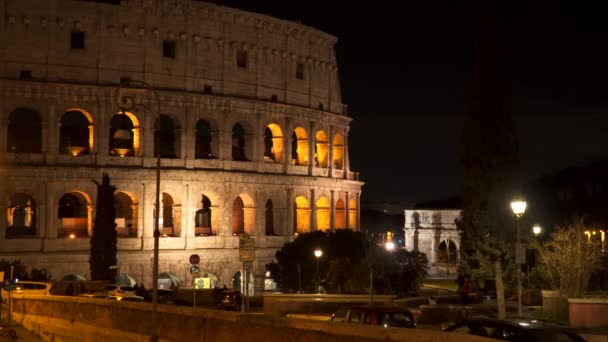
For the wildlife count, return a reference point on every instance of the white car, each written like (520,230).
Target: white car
(117,290)
(26,287)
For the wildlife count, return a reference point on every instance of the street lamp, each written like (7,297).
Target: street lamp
(536,230)
(126,102)
(318,254)
(519,208)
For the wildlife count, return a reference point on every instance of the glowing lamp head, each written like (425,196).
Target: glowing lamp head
(536,230)
(318,253)
(390,246)
(518,207)
(72,236)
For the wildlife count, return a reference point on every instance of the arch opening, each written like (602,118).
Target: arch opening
(340,214)
(299,147)
(75,133)
(73,213)
(323,214)
(338,151)
(24,131)
(21,216)
(203,144)
(126,209)
(321,149)
(301,215)
(273,143)
(166,137)
(203,225)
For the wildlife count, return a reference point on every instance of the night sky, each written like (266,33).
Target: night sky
(405,73)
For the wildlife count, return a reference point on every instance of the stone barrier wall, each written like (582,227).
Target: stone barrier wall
(57,318)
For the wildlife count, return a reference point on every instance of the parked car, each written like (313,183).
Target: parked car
(93,295)
(126,299)
(517,330)
(382,315)
(117,290)
(26,287)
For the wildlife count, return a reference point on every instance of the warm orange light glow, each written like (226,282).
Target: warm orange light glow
(72,236)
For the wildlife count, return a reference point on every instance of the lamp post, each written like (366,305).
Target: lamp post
(537,230)
(126,102)
(318,254)
(519,208)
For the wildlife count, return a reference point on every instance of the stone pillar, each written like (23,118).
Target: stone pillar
(346,163)
(258,140)
(347,211)
(249,220)
(311,148)
(358,202)
(289,212)
(332,211)
(188,132)
(287,145)
(146,136)
(330,150)
(258,272)
(313,211)
(215,220)
(225,217)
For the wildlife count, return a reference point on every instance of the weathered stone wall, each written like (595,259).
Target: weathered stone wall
(40,70)
(82,319)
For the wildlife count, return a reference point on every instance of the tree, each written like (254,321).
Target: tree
(570,258)
(104,239)
(347,262)
(490,162)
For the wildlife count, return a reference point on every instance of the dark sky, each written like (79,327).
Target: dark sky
(405,71)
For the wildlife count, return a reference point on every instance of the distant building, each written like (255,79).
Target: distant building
(434,233)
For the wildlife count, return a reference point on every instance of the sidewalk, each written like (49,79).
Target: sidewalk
(23,335)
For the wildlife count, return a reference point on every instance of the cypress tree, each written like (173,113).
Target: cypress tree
(104,239)
(489,157)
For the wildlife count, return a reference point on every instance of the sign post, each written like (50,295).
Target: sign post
(247,256)
(195,271)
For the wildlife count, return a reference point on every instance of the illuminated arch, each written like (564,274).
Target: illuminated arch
(243,215)
(273,143)
(323,214)
(170,225)
(76,133)
(124,139)
(321,149)
(74,215)
(340,222)
(352,214)
(302,215)
(126,208)
(299,147)
(338,151)
(21,215)
(203,223)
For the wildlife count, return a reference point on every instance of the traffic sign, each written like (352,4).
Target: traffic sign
(246,248)
(194,269)
(195,259)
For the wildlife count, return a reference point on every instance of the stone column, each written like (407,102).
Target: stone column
(313,211)
(347,211)
(358,202)
(330,150)
(146,131)
(346,163)
(289,212)
(258,272)
(287,146)
(332,211)
(311,148)
(258,140)
(188,131)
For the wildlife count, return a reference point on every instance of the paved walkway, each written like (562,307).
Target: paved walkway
(23,335)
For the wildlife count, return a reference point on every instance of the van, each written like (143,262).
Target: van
(26,287)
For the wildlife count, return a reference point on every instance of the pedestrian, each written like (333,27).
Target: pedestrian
(465,290)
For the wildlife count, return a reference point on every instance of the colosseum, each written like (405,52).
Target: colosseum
(243,112)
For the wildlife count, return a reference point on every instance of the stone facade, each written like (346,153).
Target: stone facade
(434,233)
(244,111)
